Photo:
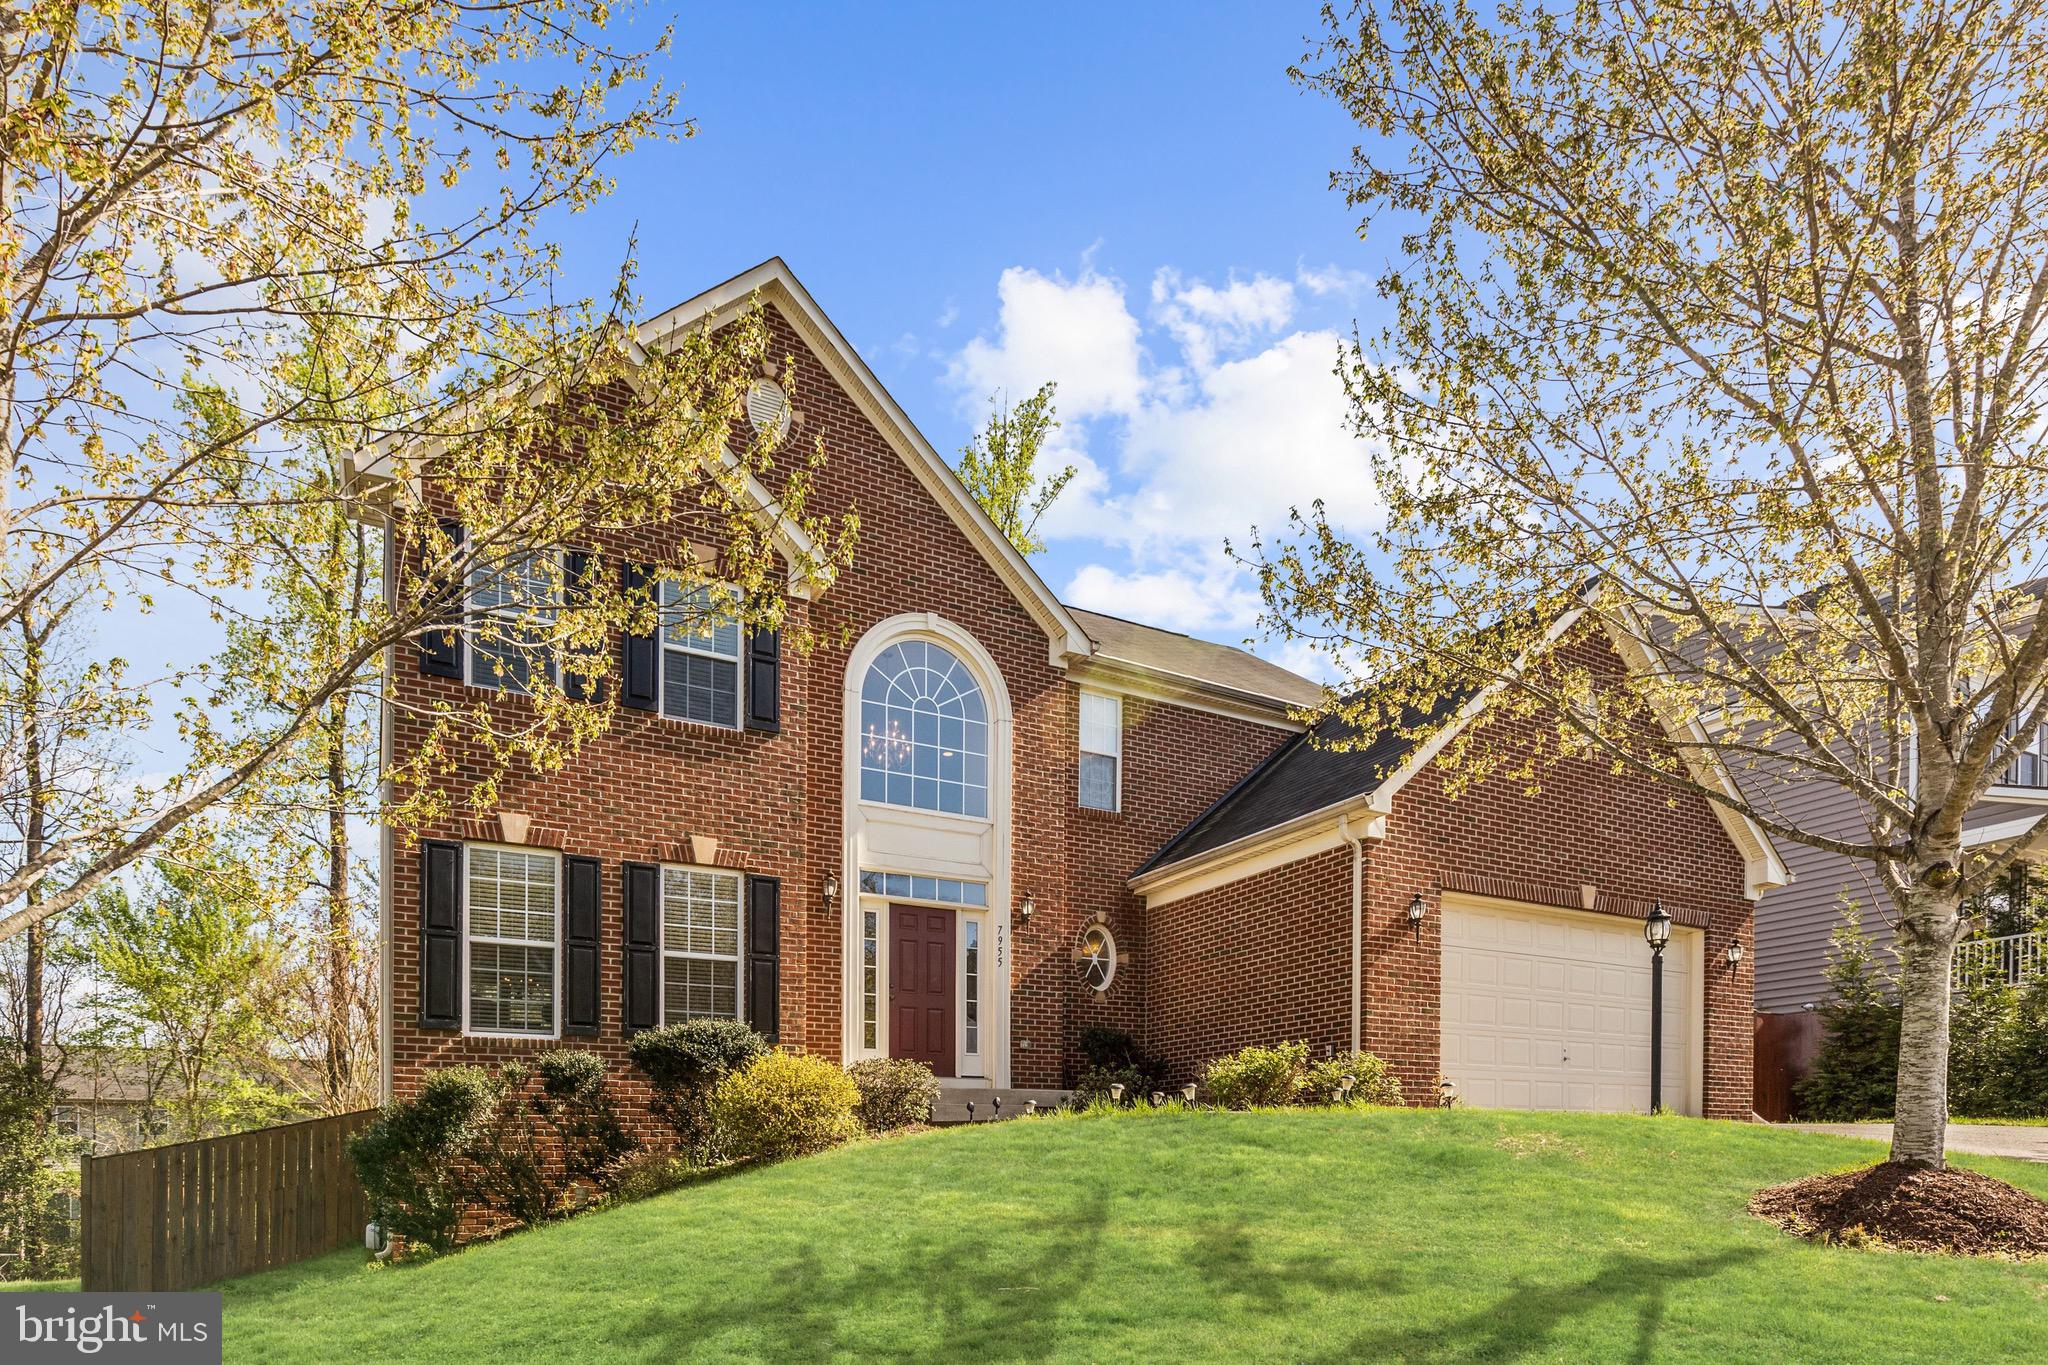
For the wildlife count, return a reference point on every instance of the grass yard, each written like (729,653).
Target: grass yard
(69,1286)
(1313,1234)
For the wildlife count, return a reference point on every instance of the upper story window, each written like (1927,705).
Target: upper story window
(514,905)
(924,732)
(1102,749)
(700,654)
(512,610)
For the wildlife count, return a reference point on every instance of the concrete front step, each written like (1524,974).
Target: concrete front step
(954,1099)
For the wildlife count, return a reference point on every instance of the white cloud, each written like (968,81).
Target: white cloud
(1228,421)
(1214,597)
(1078,334)
(1204,319)
(1331,279)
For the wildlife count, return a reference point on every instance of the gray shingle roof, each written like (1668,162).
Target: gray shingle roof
(1202,661)
(1302,775)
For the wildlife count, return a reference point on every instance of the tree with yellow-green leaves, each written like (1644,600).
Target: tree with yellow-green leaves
(187,188)
(1000,467)
(1722,326)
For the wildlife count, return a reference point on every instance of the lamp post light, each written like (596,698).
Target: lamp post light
(1657,933)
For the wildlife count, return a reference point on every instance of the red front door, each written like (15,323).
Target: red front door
(921,986)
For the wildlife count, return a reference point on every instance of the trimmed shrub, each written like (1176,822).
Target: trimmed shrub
(1110,1056)
(1371,1083)
(684,1063)
(408,1159)
(895,1092)
(646,1174)
(1257,1077)
(784,1104)
(576,1104)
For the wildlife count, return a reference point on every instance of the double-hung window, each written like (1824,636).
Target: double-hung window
(700,654)
(513,910)
(512,617)
(700,944)
(1102,748)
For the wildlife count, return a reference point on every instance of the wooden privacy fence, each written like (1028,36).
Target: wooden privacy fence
(173,1217)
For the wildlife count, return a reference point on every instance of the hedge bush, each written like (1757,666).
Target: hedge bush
(410,1157)
(895,1092)
(1371,1083)
(518,1142)
(1111,1056)
(1257,1077)
(784,1104)
(684,1062)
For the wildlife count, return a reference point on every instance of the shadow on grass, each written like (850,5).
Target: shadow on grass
(980,1296)
(1528,1317)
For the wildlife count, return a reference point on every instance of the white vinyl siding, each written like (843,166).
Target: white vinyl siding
(700,655)
(700,944)
(1102,748)
(513,908)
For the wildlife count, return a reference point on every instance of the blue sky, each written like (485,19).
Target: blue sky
(1132,201)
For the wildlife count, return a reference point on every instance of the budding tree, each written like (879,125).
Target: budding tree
(185,186)
(1724,323)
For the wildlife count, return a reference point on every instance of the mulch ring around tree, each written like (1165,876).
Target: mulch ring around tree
(1909,1208)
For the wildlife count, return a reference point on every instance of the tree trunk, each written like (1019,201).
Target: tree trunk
(1926,947)
(340,1064)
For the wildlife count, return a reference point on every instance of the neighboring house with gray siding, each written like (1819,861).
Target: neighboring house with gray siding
(1795,922)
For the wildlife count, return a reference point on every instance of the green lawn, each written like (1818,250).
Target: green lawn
(69,1286)
(1387,1235)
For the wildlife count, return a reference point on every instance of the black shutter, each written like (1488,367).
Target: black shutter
(764,680)
(764,957)
(642,946)
(579,570)
(636,662)
(441,648)
(583,878)
(440,934)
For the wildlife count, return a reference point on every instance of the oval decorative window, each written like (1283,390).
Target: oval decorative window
(768,409)
(1097,956)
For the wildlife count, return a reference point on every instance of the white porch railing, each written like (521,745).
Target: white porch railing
(2016,957)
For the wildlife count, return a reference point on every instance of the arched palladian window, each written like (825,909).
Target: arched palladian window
(923,732)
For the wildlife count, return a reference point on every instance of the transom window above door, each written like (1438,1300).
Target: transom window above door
(924,732)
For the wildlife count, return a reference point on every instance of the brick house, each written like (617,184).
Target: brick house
(990,820)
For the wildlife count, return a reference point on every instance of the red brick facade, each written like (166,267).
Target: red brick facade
(1264,959)
(1267,958)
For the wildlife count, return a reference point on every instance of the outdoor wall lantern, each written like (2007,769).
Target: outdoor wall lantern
(1657,933)
(831,889)
(1417,908)
(1026,908)
(1735,955)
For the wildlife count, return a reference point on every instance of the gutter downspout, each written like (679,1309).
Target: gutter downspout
(1357,926)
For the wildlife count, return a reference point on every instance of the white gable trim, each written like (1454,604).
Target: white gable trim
(776,284)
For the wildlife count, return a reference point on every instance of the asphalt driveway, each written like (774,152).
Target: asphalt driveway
(1985,1139)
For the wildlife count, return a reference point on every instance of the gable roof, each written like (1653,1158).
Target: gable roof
(1199,661)
(775,283)
(1305,785)
(1304,775)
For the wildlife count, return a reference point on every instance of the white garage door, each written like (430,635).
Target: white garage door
(1550,1009)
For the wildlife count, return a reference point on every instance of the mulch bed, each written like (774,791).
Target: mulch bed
(1956,1211)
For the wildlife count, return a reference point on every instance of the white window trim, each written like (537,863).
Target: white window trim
(471,655)
(1116,804)
(554,974)
(739,957)
(739,676)
(971,1061)
(1115,956)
